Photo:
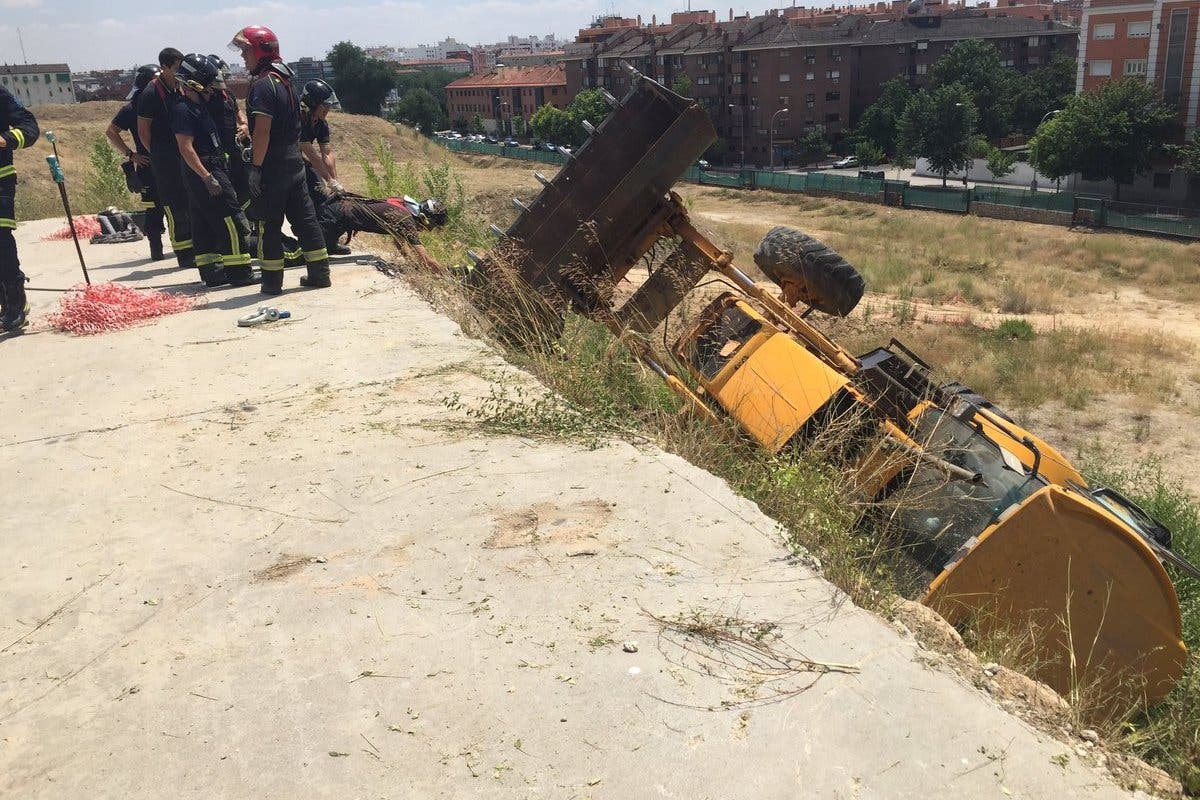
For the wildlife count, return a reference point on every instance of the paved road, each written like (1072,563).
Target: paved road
(271,563)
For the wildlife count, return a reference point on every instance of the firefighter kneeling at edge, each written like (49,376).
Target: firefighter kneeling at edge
(217,239)
(18,129)
(277,185)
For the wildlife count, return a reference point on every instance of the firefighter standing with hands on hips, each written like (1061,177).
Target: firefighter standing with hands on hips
(276,181)
(18,129)
(219,241)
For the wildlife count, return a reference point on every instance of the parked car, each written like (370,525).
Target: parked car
(492,139)
(549,147)
(511,142)
(846,162)
(702,164)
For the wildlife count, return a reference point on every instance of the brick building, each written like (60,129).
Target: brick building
(1158,40)
(825,68)
(506,93)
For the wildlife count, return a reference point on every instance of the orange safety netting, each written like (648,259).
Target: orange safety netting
(102,307)
(86,226)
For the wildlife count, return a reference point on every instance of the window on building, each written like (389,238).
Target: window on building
(922,45)
(1107,30)
(833,74)
(754,61)
(832,96)
(1099,69)
(784,53)
(1162,180)
(784,77)
(835,54)
(1009,63)
(902,48)
(1138,30)
(754,79)
(835,117)
(1034,41)
(922,69)
(1135,66)
(810,58)
(783,101)
(1176,51)
(739,77)
(808,76)
(754,104)
(1035,59)
(810,100)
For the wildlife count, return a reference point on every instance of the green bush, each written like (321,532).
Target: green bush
(106,183)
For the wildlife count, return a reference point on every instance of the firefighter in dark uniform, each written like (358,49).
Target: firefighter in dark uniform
(320,164)
(139,159)
(154,109)
(219,241)
(18,129)
(225,111)
(277,185)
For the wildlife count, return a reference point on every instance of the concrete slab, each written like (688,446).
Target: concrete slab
(272,563)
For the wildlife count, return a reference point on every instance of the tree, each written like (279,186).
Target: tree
(589,105)
(1111,133)
(940,126)
(361,82)
(477,124)
(682,85)
(519,126)
(1044,90)
(1188,156)
(868,153)
(1000,163)
(975,65)
(421,109)
(877,124)
(552,124)
(813,145)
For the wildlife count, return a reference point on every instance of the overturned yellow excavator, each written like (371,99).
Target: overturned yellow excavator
(1009,535)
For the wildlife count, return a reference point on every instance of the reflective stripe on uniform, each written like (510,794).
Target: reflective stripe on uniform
(206,259)
(7,171)
(19,135)
(176,246)
(271,265)
(235,246)
(7,223)
(242,260)
(316,255)
(293,255)
(147,206)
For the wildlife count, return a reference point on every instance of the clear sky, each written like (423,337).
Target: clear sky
(92,34)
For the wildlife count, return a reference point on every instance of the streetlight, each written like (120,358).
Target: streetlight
(500,108)
(743,164)
(772,137)
(1048,115)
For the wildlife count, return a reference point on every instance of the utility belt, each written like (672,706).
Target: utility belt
(215,160)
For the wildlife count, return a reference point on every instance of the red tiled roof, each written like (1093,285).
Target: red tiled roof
(545,75)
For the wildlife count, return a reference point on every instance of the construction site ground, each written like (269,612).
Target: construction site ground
(273,563)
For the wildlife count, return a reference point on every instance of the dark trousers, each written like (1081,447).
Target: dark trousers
(168,180)
(285,194)
(239,174)
(153,226)
(10,265)
(217,235)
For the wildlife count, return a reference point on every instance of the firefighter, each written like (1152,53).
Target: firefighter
(138,160)
(18,129)
(154,110)
(277,185)
(219,241)
(231,122)
(320,167)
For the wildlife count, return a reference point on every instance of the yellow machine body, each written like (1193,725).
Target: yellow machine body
(1090,592)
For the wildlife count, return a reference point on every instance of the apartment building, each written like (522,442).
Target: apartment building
(500,96)
(38,84)
(1155,39)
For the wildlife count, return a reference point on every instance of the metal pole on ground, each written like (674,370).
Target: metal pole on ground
(56,173)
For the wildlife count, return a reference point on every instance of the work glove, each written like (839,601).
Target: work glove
(255,182)
(213,185)
(334,187)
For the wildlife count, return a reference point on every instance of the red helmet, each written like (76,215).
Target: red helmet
(260,41)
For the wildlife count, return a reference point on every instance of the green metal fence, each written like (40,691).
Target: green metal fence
(958,201)
(955,200)
(1022,198)
(1171,226)
(850,184)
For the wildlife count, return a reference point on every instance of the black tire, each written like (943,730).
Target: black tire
(974,398)
(809,272)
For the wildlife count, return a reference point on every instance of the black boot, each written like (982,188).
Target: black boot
(338,249)
(16,307)
(318,276)
(186,259)
(272,281)
(213,275)
(239,276)
(156,248)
